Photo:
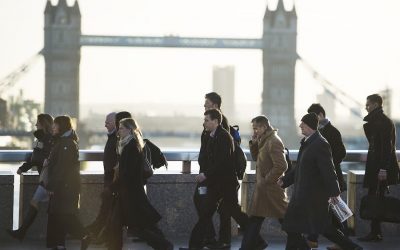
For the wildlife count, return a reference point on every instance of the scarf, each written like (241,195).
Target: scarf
(123,142)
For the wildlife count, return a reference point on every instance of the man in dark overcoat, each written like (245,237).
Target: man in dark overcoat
(218,177)
(109,161)
(381,169)
(334,138)
(315,183)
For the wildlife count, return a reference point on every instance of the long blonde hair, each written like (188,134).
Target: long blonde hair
(134,128)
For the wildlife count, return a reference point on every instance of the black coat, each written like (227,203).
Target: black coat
(334,138)
(41,151)
(110,158)
(64,178)
(381,135)
(314,182)
(136,208)
(216,158)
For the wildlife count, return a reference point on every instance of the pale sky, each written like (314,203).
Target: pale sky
(353,43)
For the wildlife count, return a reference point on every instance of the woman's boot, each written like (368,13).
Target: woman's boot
(27,222)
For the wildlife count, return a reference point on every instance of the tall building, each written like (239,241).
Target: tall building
(279,61)
(224,85)
(327,100)
(62,32)
(3,114)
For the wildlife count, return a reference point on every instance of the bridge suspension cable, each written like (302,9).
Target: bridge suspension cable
(16,74)
(339,95)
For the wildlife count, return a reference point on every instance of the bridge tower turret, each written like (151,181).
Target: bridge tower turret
(279,61)
(62,31)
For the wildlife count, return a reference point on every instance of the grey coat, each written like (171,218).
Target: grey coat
(314,181)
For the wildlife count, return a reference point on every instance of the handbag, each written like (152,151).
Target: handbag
(382,208)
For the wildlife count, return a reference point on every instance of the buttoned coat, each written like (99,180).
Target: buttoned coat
(269,199)
(314,180)
(381,135)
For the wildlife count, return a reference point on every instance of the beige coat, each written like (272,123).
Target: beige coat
(269,199)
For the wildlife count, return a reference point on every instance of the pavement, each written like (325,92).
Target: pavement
(390,243)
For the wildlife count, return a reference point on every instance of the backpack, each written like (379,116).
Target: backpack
(289,162)
(240,161)
(234,131)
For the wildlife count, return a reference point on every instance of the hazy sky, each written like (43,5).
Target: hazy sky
(353,43)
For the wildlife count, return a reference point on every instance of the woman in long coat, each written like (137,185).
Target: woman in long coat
(41,150)
(134,207)
(269,199)
(64,187)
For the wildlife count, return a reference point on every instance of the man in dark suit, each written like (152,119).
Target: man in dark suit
(217,179)
(315,186)
(381,169)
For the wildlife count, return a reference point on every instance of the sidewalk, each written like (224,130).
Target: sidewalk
(392,243)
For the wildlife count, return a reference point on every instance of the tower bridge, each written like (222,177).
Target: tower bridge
(63,41)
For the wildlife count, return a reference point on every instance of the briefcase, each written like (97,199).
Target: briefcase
(386,208)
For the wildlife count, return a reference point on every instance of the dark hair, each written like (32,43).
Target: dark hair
(64,123)
(46,121)
(261,119)
(121,115)
(375,98)
(214,98)
(316,108)
(214,114)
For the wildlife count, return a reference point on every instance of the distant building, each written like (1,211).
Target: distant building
(3,114)
(224,85)
(328,102)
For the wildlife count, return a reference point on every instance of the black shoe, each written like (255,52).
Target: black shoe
(190,248)
(371,238)
(16,234)
(219,245)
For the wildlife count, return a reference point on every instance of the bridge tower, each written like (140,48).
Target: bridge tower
(279,61)
(62,31)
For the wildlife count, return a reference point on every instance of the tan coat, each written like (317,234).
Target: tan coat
(269,199)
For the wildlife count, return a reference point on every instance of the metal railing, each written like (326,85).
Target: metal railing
(185,156)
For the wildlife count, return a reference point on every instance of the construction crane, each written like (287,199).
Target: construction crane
(16,74)
(336,93)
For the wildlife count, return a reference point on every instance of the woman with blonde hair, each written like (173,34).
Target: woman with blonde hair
(134,207)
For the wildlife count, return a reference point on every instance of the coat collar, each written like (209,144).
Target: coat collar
(373,115)
(310,139)
(267,135)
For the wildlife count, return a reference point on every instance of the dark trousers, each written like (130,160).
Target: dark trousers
(208,207)
(252,237)
(200,203)
(59,225)
(296,241)
(105,209)
(236,213)
(376,224)
(337,237)
(341,226)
